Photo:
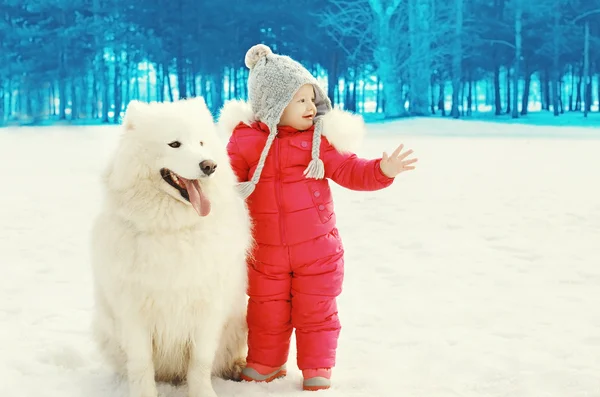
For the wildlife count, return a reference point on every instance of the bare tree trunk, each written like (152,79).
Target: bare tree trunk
(235,83)
(74,107)
(571,106)
(386,56)
(419,18)
(470,98)
(457,57)
(148,85)
(332,75)
(347,99)
(598,86)
(497,97)
(518,55)
(363,98)
(52,100)
(578,98)
(356,78)
(95,97)
(545,88)
(167,77)
(62,86)
(555,59)
(441,100)
(2,106)
(181,85)
(526,89)
(463,88)
(587,81)
(105,92)
(204,87)
(191,82)
(127,90)
(136,84)
(159,82)
(102,84)
(117,89)
(508,91)
(216,91)
(2,103)
(84,94)
(62,94)
(432,99)
(9,108)
(476,101)
(378,95)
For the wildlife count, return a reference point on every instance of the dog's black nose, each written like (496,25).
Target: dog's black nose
(208,166)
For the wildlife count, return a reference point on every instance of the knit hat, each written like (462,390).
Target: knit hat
(272,83)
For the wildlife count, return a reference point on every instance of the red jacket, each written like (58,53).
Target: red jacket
(286,207)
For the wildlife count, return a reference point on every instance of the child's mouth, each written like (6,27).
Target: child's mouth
(309,116)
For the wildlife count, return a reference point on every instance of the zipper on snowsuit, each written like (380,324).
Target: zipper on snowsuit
(278,192)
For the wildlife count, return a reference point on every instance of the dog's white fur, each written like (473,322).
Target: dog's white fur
(344,130)
(170,286)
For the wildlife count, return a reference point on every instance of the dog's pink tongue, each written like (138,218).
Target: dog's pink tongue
(197,197)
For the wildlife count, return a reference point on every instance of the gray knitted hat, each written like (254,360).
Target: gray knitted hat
(272,83)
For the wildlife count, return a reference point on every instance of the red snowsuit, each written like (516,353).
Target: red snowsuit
(297,268)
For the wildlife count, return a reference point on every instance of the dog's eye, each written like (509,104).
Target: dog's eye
(201,143)
(175,144)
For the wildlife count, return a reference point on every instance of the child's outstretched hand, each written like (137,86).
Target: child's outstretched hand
(395,164)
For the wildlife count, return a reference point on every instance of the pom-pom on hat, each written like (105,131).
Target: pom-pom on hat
(272,83)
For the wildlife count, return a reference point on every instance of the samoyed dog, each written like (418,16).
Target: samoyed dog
(169,251)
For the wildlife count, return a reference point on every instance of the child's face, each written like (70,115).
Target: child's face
(301,110)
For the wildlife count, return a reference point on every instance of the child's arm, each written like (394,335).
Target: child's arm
(237,161)
(355,173)
(352,172)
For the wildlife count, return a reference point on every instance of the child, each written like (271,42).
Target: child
(288,142)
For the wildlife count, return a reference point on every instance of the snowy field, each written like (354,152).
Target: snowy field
(477,275)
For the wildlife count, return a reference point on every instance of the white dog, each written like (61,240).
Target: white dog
(168,253)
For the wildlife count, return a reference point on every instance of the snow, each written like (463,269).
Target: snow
(478,274)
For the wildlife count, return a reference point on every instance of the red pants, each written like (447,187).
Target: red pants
(295,287)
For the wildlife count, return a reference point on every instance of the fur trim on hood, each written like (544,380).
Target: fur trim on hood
(344,130)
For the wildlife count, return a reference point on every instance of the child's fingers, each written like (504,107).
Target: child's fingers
(402,157)
(409,161)
(384,157)
(398,150)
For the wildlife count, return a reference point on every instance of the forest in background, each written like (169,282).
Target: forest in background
(84,60)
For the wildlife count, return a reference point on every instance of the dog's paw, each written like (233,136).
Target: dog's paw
(234,371)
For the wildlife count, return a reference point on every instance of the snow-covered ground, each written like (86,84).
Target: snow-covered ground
(478,274)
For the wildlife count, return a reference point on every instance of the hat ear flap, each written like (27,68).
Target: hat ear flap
(322,102)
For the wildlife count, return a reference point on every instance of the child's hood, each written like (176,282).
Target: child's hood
(344,130)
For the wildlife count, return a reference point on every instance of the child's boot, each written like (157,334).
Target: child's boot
(262,373)
(316,379)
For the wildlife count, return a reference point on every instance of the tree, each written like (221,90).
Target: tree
(387,54)
(518,8)
(420,16)
(457,58)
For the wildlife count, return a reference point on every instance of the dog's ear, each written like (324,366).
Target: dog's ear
(134,112)
(197,105)
(197,108)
